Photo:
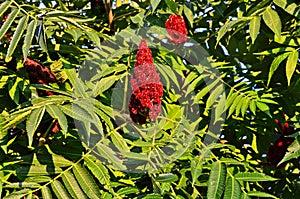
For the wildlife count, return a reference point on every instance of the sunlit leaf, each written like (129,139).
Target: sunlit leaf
(291,65)
(59,190)
(254,27)
(22,25)
(6,25)
(33,122)
(272,20)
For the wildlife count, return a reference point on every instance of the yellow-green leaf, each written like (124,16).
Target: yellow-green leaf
(22,24)
(254,27)
(291,65)
(272,20)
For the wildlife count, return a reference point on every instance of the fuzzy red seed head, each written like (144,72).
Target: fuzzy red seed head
(176,28)
(147,90)
(144,54)
(39,74)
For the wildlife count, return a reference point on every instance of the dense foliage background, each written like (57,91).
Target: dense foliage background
(65,64)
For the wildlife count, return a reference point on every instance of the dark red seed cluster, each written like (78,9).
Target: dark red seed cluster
(147,90)
(39,74)
(176,28)
(278,150)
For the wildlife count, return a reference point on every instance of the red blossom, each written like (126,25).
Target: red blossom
(176,28)
(147,90)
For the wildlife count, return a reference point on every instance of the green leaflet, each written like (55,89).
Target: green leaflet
(22,25)
(275,63)
(272,20)
(217,179)
(291,64)
(98,169)
(233,188)
(28,38)
(260,194)
(4,6)
(154,4)
(86,181)
(46,193)
(8,22)
(58,114)
(253,177)
(59,190)
(72,185)
(254,27)
(33,122)
(224,29)
(166,177)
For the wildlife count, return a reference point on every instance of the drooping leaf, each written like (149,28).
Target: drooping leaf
(272,20)
(233,188)
(33,122)
(6,25)
(196,169)
(119,141)
(14,91)
(275,64)
(291,65)
(104,84)
(293,152)
(28,38)
(216,181)
(110,155)
(189,14)
(254,27)
(22,25)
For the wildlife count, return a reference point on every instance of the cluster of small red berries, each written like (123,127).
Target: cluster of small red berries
(39,74)
(145,100)
(277,151)
(176,28)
